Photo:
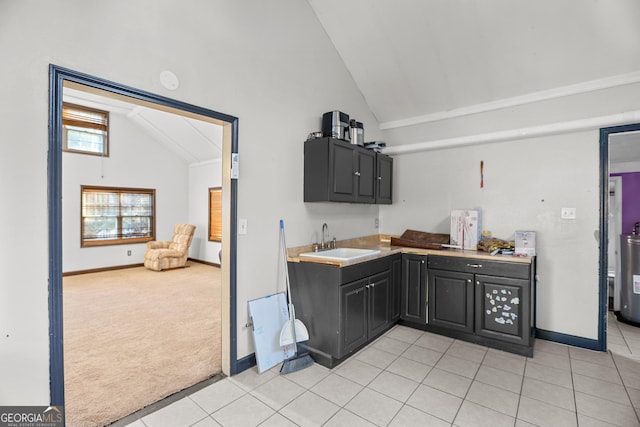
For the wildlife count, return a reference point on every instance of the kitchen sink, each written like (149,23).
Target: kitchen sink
(340,254)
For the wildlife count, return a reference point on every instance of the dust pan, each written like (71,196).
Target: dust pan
(293,330)
(298,333)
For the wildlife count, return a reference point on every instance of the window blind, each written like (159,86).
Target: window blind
(117,215)
(215,214)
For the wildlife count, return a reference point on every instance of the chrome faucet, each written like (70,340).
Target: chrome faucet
(636,226)
(325,231)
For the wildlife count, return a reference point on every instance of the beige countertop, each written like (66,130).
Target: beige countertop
(382,243)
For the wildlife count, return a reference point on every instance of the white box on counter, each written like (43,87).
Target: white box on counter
(525,243)
(466,228)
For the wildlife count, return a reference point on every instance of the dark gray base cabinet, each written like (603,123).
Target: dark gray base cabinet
(483,301)
(365,310)
(413,305)
(452,295)
(343,308)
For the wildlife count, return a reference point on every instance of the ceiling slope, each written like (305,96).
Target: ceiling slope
(195,141)
(412,58)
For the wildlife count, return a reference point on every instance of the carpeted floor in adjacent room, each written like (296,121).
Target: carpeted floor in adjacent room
(134,336)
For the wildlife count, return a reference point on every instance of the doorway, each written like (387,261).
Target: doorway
(58,79)
(619,149)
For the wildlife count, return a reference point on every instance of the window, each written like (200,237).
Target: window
(112,216)
(215,214)
(85,130)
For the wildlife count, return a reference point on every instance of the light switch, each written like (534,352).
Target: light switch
(242,226)
(568,213)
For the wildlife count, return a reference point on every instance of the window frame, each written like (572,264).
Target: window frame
(215,223)
(84,243)
(86,125)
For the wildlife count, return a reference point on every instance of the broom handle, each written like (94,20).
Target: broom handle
(292,318)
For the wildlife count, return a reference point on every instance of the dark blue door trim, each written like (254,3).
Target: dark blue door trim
(57,77)
(603,302)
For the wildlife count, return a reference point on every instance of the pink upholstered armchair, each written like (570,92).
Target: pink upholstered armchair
(164,255)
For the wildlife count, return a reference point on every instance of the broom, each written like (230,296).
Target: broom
(297,361)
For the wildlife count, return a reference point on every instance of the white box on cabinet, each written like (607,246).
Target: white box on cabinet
(466,228)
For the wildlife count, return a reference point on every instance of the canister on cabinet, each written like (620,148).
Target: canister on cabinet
(525,243)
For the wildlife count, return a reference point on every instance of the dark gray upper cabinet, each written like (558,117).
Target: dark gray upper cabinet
(336,171)
(384,178)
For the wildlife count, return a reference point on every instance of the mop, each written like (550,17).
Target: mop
(294,330)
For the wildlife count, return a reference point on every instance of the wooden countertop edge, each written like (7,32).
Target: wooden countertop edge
(381,242)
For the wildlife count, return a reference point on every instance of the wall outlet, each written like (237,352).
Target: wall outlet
(377,223)
(568,213)
(128,253)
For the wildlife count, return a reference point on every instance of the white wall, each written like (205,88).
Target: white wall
(524,189)
(135,161)
(203,176)
(527,182)
(624,167)
(268,63)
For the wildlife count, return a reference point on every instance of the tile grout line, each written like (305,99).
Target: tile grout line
(624,339)
(573,388)
(409,397)
(626,390)
(421,382)
(464,399)
(366,386)
(526,361)
(425,377)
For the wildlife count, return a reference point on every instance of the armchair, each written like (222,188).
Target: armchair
(164,255)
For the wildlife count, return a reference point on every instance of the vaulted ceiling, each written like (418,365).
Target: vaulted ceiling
(193,140)
(419,59)
(412,58)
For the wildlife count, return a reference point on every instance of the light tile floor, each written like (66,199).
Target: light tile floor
(413,378)
(622,338)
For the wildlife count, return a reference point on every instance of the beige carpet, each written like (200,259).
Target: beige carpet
(135,336)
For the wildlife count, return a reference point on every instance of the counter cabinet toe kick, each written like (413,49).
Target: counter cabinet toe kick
(481,301)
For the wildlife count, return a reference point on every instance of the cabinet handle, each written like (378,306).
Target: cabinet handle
(468,280)
(380,178)
(478,283)
(373,284)
(421,261)
(366,286)
(474,265)
(356,173)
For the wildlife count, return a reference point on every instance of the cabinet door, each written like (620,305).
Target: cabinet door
(365,172)
(379,288)
(384,184)
(451,300)
(342,172)
(414,285)
(396,288)
(502,308)
(353,312)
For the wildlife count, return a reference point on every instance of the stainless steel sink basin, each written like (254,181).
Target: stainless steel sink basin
(340,254)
